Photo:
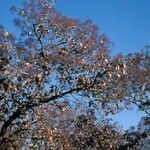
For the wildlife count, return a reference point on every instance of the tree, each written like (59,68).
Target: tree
(57,58)
(91,135)
(137,139)
(67,130)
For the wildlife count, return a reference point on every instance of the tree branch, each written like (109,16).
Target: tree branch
(28,106)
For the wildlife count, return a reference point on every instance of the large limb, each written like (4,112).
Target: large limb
(28,106)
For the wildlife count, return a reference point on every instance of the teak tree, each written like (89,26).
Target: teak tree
(58,58)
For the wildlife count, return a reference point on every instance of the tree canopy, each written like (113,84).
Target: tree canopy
(60,62)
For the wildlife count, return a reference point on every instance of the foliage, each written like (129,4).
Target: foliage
(137,139)
(59,59)
(67,130)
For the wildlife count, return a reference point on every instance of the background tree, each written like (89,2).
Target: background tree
(137,139)
(60,59)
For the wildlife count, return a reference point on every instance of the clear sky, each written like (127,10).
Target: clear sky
(126,22)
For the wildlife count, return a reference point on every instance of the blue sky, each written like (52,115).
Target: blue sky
(126,22)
